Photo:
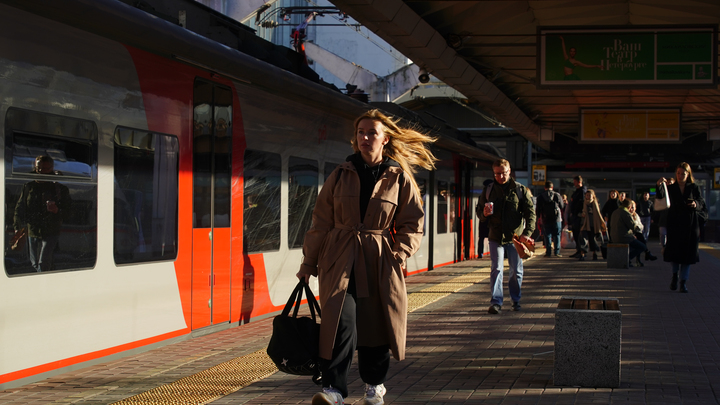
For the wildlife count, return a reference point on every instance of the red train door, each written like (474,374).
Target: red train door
(212,174)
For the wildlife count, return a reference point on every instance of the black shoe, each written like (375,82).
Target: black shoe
(594,256)
(516,306)
(630,264)
(582,258)
(576,255)
(547,254)
(683,287)
(673,282)
(649,256)
(494,309)
(639,263)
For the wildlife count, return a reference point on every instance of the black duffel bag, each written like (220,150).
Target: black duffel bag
(293,346)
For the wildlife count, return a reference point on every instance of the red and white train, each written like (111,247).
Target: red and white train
(192,170)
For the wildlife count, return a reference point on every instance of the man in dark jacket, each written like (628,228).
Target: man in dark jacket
(576,208)
(549,207)
(508,210)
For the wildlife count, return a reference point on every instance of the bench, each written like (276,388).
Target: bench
(618,256)
(587,342)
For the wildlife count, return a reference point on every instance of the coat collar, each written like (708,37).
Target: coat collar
(356,159)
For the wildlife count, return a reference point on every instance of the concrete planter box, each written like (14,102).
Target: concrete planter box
(618,256)
(587,342)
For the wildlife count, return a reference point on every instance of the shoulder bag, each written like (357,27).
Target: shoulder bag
(662,198)
(294,342)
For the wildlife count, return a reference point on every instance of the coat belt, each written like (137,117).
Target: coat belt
(361,269)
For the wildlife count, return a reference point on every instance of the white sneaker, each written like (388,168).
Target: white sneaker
(328,396)
(374,394)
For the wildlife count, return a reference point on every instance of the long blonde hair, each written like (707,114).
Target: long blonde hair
(406,146)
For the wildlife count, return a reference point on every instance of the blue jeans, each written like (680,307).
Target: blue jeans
(684,270)
(635,248)
(41,252)
(497,256)
(646,226)
(551,233)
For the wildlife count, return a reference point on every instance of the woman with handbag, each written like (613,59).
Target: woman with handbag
(687,208)
(367,221)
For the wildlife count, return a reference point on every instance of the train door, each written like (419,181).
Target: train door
(212,174)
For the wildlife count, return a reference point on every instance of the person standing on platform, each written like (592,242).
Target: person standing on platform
(509,210)
(367,221)
(687,209)
(550,207)
(593,225)
(577,202)
(609,207)
(644,211)
(623,230)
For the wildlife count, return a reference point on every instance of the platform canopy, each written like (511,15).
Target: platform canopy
(544,67)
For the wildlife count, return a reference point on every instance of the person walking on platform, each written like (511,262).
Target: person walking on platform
(576,207)
(609,207)
(509,210)
(687,209)
(593,225)
(367,221)
(550,207)
(644,211)
(623,229)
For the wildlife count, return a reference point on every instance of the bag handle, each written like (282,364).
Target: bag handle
(296,298)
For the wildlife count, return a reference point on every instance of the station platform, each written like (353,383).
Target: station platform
(457,353)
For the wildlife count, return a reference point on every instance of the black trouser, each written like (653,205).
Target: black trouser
(373,362)
(580,243)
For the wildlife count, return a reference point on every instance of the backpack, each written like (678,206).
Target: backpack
(550,207)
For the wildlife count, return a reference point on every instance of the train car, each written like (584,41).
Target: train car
(186,173)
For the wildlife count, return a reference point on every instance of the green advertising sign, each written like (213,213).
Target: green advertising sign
(643,57)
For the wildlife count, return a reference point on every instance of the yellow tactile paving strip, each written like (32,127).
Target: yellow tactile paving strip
(226,378)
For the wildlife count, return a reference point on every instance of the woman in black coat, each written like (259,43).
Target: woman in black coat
(687,207)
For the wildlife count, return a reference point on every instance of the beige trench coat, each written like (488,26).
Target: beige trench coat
(337,242)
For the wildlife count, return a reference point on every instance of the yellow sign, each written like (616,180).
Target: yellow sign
(539,175)
(630,125)
(716,179)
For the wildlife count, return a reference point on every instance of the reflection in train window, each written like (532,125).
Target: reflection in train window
(146,196)
(442,206)
(452,207)
(302,194)
(261,212)
(422,187)
(50,192)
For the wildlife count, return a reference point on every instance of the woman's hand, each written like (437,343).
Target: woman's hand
(303,276)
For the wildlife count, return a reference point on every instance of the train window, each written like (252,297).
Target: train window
(146,196)
(261,212)
(452,207)
(212,155)
(442,206)
(50,192)
(302,194)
